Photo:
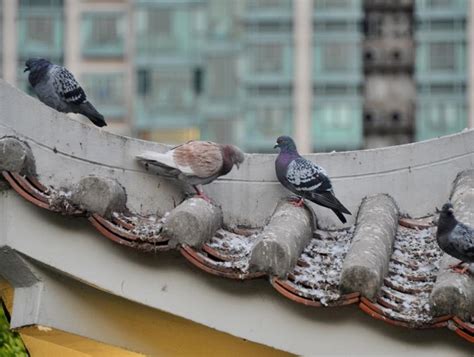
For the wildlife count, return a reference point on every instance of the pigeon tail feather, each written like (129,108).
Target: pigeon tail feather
(160,159)
(327,199)
(90,112)
(340,216)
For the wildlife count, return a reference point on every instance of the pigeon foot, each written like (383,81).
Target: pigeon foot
(298,202)
(201,194)
(459,268)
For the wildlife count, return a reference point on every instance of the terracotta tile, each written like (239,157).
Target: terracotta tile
(377,315)
(297,295)
(466,336)
(213,267)
(26,195)
(122,223)
(141,246)
(219,255)
(464,325)
(404,289)
(28,187)
(113,228)
(203,264)
(415,223)
(35,182)
(290,295)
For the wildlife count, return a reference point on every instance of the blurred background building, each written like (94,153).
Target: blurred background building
(374,72)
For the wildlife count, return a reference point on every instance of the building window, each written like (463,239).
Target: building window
(221,130)
(103,34)
(338,56)
(160,22)
(265,4)
(155,30)
(439,3)
(267,58)
(41,3)
(143,81)
(198,76)
(106,92)
(223,19)
(166,91)
(333,4)
(222,78)
(442,56)
(270,121)
(39,35)
(336,116)
(40,29)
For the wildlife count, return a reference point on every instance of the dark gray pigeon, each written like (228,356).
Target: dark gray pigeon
(56,87)
(455,238)
(195,163)
(305,179)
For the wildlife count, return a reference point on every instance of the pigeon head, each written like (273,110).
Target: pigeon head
(447,210)
(446,215)
(234,154)
(286,144)
(446,221)
(35,64)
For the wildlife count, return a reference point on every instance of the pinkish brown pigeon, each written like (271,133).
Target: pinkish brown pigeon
(305,179)
(455,238)
(195,163)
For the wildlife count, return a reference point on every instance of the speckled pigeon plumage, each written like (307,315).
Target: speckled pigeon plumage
(195,163)
(306,179)
(56,87)
(454,237)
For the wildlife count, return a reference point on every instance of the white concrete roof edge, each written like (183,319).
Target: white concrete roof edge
(418,176)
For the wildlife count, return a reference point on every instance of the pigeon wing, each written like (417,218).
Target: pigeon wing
(199,158)
(311,181)
(463,239)
(66,86)
(307,177)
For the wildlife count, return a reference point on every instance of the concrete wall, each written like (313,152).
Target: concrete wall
(418,176)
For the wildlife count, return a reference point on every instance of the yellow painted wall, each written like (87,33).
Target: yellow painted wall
(164,333)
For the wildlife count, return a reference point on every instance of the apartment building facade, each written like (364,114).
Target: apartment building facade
(225,70)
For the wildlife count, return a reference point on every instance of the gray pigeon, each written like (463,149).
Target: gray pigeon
(455,238)
(56,87)
(305,178)
(195,163)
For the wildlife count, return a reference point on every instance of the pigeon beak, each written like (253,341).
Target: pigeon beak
(238,165)
(276,146)
(26,69)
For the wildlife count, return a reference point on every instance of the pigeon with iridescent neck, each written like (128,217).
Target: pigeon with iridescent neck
(305,179)
(194,163)
(455,238)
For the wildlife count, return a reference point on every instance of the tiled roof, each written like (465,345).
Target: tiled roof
(404,297)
